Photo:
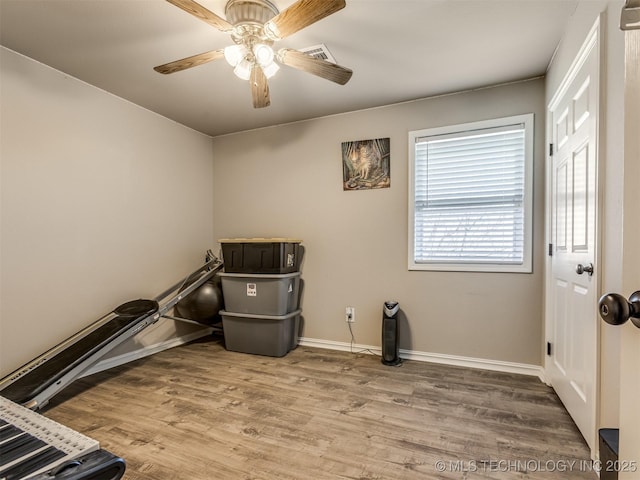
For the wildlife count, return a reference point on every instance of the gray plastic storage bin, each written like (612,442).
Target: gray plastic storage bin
(260,294)
(271,335)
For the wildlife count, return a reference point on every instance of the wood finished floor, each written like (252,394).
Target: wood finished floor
(201,412)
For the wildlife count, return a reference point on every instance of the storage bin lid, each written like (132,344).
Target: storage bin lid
(259,276)
(255,316)
(260,240)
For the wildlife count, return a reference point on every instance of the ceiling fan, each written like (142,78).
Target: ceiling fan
(255,25)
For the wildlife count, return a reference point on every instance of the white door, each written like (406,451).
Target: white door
(572,290)
(630,345)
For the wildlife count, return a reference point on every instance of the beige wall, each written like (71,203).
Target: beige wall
(611,168)
(287,181)
(102,202)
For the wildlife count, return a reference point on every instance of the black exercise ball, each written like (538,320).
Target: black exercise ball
(203,304)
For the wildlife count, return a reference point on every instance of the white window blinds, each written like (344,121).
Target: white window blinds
(470,197)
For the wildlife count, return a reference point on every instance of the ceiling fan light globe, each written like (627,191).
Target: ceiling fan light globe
(243,69)
(271,69)
(263,53)
(234,54)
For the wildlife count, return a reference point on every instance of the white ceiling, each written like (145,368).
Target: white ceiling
(399,50)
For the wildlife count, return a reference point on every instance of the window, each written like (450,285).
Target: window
(470,205)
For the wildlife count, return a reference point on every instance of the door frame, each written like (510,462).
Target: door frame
(592,42)
(630,336)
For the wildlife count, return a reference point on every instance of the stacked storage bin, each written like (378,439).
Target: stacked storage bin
(261,290)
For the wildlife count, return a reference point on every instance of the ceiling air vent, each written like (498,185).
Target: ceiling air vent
(319,51)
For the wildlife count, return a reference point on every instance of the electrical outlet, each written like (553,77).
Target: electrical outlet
(350,314)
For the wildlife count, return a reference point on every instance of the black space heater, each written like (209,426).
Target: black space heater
(390,348)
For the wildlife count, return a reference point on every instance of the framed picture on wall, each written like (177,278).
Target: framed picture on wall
(366,164)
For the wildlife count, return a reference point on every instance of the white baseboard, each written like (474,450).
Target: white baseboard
(344,346)
(144,352)
(469,362)
(482,363)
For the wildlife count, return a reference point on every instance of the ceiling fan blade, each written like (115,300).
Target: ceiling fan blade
(259,88)
(189,62)
(315,66)
(202,13)
(299,15)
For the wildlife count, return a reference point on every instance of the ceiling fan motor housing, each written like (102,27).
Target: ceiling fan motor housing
(252,12)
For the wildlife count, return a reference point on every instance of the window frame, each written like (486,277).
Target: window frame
(527,264)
